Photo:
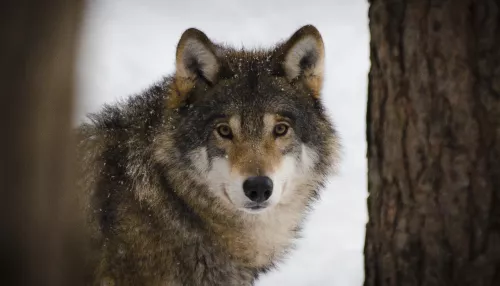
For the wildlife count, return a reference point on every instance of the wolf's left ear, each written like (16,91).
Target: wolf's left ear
(302,58)
(196,60)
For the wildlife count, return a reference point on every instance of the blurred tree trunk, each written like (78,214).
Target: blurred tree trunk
(433,132)
(37,61)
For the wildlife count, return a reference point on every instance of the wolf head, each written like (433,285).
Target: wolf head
(250,125)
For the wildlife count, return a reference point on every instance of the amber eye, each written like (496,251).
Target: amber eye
(225,131)
(280,129)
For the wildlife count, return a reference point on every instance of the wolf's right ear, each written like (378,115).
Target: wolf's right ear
(196,60)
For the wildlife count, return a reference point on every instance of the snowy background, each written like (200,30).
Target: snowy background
(129,44)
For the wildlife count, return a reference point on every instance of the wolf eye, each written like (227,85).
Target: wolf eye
(225,131)
(280,129)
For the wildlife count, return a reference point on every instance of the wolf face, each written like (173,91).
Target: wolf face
(250,124)
(251,161)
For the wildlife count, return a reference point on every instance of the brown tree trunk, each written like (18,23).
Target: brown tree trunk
(433,132)
(38,41)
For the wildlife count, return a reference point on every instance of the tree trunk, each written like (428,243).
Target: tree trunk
(37,58)
(433,132)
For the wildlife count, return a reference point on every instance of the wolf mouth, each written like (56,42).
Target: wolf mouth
(226,194)
(255,207)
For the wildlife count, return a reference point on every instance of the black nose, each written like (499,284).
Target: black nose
(258,188)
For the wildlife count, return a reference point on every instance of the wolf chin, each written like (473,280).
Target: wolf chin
(205,178)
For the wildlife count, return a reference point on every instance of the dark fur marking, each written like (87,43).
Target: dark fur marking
(105,199)
(253,75)
(308,60)
(288,114)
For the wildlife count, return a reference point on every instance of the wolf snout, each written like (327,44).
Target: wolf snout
(258,188)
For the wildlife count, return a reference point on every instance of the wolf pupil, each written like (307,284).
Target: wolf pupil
(280,129)
(225,131)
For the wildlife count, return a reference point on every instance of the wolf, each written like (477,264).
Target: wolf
(205,178)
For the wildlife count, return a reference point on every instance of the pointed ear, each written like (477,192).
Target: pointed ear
(196,61)
(302,58)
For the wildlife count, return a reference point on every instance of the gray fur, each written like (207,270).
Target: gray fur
(151,219)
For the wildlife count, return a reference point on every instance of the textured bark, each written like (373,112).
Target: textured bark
(37,53)
(433,132)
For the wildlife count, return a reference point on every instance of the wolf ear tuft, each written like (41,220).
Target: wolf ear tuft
(302,58)
(196,60)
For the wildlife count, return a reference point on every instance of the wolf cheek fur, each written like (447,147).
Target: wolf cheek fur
(206,177)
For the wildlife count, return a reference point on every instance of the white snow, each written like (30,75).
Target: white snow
(128,45)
